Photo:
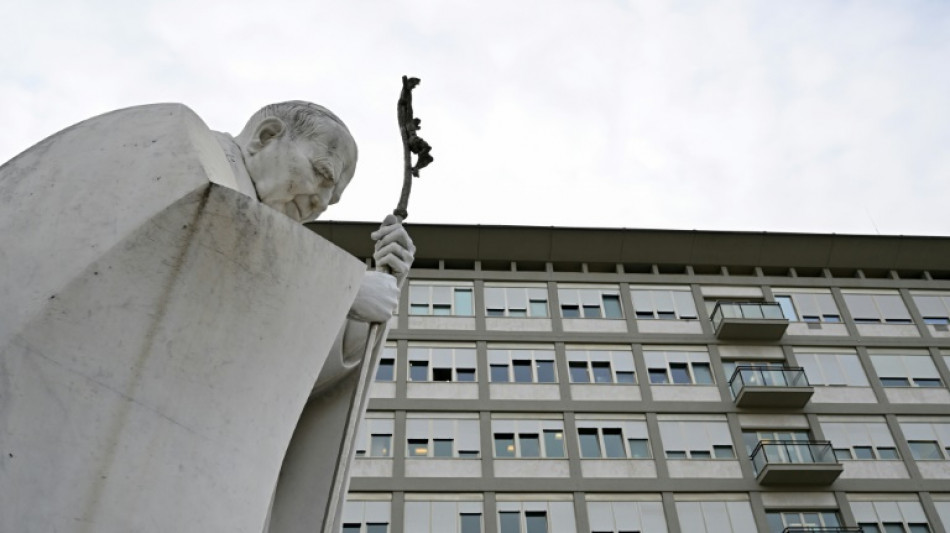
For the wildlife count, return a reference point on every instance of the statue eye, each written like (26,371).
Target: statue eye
(322,171)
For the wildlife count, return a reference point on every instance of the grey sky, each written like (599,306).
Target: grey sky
(759,116)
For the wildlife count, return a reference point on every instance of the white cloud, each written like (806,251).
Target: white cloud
(804,116)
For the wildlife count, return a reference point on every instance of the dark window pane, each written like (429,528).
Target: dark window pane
(377,528)
(863,452)
(518,313)
(499,373)
(522,369)
(545,371)
(509,522)
(465,374)
(680,373)
(418,447)
(468,454)
(702,374)
(441,309)
(495,312)
(441,374)
(658,375)
(536,522)
(895,382)
(612,306)
(418,309)
(570,311)
(918,528)
(379,445)
(927,382)
(351,528)
(539,308)
(553,443)
(418,370)
(869,528)
(613,443)
(504,445)
(639,448)
(442,447)
(625,377)
(925,450)
(530,444)
(675,454)
(590,445)
(843,454)
(887,453)
(723,451)
(385,370)
(470,523)
(893,527)
(601,371)
(592,311)
(579,372)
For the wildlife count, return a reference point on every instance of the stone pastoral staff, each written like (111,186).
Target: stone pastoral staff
(176,349)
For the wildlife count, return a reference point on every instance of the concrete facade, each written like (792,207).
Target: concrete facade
(689,467)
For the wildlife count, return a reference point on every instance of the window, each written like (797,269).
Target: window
(387,364)
(906,370)
(934,307)
(878,307)
(779,520)
(528,439)
(590,302)
(612,439)
(613,365)
(521,365)
(535,516)
(374,435)
(444,515)
(696,439)
(365,516)
(890,516)
(613,516)
(833,369)
(715,516)
(929,439)
(431,298)
(442,435)
(441,363)
(663,303)
(671,367)
(807,305)
(860,441)
(516,302)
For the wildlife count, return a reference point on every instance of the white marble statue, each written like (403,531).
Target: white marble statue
(177,351)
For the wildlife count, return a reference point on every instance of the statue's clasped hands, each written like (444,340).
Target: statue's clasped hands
(379,293)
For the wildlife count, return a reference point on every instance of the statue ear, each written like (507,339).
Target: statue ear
(266,130)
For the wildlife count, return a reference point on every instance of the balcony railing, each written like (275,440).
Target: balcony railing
(764,386)
(749,320)
(795,462)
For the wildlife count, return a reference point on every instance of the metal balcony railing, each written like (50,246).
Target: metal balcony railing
(792,452)
(763,376)
(751,320)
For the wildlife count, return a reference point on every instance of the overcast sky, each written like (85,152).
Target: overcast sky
(758,116)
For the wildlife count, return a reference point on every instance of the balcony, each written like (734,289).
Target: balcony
(821,529)
(749,321)
(795,462)
(762,386)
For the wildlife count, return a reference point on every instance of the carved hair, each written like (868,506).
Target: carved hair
(302,118)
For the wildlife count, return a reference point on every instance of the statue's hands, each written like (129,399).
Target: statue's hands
(376,299)
(379,293)
(394,248)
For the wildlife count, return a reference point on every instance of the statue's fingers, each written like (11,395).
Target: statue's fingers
(394,249)
(390,223)
(394,264)
(399,236)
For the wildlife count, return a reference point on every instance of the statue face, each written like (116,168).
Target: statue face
(300,177)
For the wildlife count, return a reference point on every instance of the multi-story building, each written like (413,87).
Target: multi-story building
(604,380)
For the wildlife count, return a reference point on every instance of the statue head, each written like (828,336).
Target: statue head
(300,157)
